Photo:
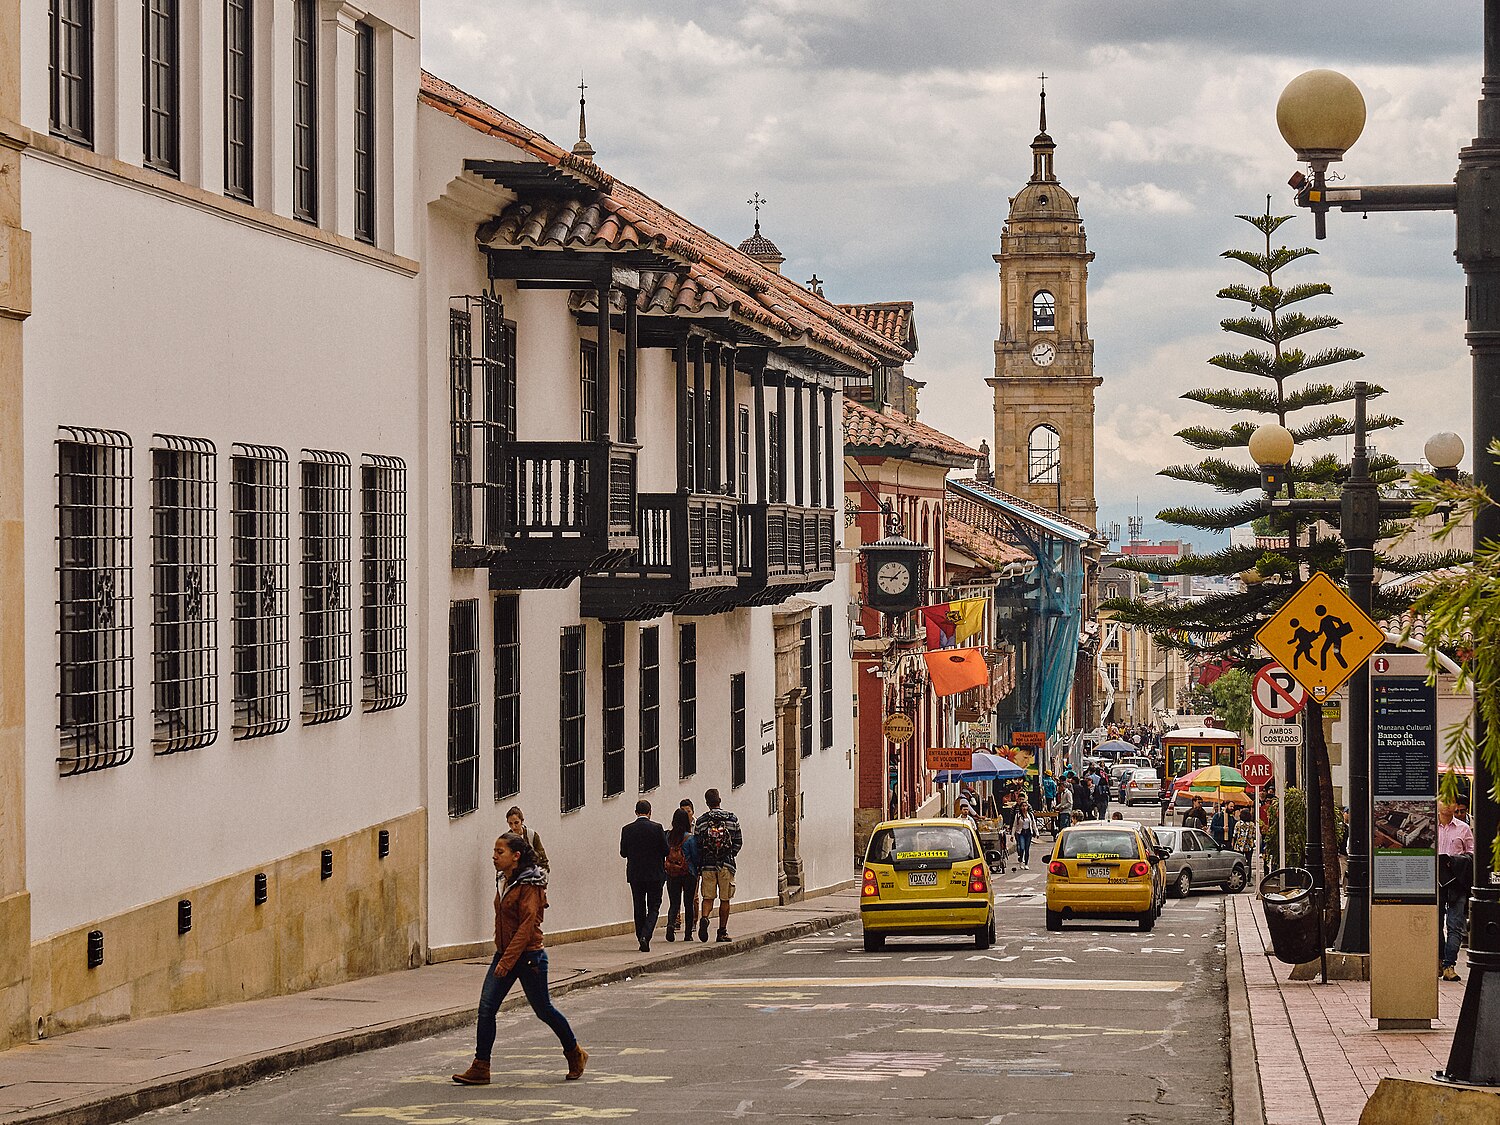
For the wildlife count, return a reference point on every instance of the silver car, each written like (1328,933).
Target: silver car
(1197,860)
(1141,784)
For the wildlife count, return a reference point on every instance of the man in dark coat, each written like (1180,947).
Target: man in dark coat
(643,843)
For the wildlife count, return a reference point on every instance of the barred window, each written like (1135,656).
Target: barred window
(687,700)
(259,576)
(742,451)
(650,696)
(95,719)
(305,111)
(327,667)
(184,594)
(382,560)
(773,459)
(70,26)
(461,383)
(364,132)
(571,717)
(614,708)
(814,450)
(825,676)
(239,99)
(627,390)
(507,695)
(737,736)
(463,707)
(160,80)
(805,711)
(588,391)
(479,322)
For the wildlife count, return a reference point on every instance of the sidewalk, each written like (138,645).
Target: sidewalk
(1309,1054)
(107,1074)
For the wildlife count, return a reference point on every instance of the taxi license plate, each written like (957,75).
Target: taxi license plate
(1098,873)
(922,879)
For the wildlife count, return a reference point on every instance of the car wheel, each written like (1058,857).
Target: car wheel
(984,937)
(1054,920)
(1184,885)
(1146,922)
(1236,881)
(874,943)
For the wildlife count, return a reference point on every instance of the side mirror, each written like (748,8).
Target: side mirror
(1163,853)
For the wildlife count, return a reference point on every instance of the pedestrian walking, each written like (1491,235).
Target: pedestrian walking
(1025,829)
(520,902)
(1101,794)
(643,845)
(1195,817)
(1218,825)
(517,821)
(682,876)
(1083,797)
(1455,877)
(1064,803)
(1242,839)
(686,805)
(718,839)
(1049,790)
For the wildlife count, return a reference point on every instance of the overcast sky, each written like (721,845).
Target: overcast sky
(889,136)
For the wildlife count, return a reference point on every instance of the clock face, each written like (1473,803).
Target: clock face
(1043,354)
(893,577)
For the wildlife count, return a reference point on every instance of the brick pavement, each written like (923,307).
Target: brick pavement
(1317,1051)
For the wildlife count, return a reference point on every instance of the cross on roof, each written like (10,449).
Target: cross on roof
(757,201)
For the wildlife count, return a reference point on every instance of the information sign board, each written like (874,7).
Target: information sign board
(949,758)
(898,727)
(1285,735)
(1403,781)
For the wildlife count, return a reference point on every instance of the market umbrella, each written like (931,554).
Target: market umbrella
(984,767)
(1215,784)
(1115,748)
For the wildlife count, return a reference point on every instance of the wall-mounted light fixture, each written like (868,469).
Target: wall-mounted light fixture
(383,843)
(96,948)
(328,863)
(184,915)
(260,888)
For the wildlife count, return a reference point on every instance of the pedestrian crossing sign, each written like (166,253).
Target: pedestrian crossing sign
(1320,636)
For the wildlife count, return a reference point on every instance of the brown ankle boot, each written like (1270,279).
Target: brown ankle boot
(478,1074)
(577,1058)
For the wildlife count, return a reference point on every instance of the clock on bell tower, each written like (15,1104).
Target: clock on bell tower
(1044,378)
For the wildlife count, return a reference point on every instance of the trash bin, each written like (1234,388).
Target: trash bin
(1291,907)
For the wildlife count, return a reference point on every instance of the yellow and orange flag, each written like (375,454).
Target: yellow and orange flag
(950,624)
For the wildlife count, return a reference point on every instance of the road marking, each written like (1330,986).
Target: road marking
(1050,983)
(867,1066)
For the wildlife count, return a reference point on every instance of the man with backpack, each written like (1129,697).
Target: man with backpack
(718,839)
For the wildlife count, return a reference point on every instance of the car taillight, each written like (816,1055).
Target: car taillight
(1139,868)
(1057,867)
(1133,785)
(869,888)
(977,884)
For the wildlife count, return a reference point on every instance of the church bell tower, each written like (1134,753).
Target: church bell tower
(1044,360)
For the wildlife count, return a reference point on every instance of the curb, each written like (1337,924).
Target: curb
(239,1072)
(1248,1107)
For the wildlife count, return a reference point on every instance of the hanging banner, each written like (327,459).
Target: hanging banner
(956,669)
(950,624)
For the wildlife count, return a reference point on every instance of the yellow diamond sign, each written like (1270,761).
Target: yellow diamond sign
(1320,636)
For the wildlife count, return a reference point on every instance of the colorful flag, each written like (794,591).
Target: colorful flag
(956,669)
(952,623)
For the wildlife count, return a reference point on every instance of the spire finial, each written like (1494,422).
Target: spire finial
(757,201)
(1044,103)
(582,147)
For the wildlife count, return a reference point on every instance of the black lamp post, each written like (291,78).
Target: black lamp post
(1474,197)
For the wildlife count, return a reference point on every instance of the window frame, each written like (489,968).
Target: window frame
(461,412)
(327,657)
(738,732)
(613,771)
(805,669)
(825,676)
(506,612)
(70,70)
(463,707)
(1043,311)
(260,573)
(383,582)
(305,138)
(687,700)
(572,717)
(239,100)
(1044,462)
(161,86)
(649,691)
(365,163)
(588,391)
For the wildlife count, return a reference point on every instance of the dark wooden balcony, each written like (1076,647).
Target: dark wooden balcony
(552,511)
(689,559)
(790,550)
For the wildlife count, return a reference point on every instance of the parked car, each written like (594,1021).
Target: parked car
(1106,869)
(1196,860)
(1141,784)
(926,877)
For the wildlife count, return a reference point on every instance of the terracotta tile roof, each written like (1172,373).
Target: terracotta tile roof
(865,428)
(623,217)
(892,319)
(980,546)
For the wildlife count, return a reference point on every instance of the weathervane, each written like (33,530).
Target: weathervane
(757,201)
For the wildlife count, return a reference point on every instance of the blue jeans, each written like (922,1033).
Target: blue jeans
(1023,846)
(531,970)
(1451,919)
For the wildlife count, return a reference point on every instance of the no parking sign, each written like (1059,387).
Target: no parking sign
(1277,694)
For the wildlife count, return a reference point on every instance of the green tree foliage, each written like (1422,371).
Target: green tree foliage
(1231,697)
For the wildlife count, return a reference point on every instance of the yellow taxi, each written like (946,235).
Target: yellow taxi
(1105,869)
(926,877)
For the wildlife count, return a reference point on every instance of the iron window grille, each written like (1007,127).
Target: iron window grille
(258,496)
(773,457)
(184,594)
(588,391)
(614,708)
(489,426)
(742,452)
(382,560)
(463,707)
(650,699)
(692,441)
(825,676)
(305,111)
(814,450)
(70,73)
(571,717)
(239,99)
(327,665)
(364,132)
(687,700)
(507,612)
(737,734)
(161,76)
(805,708)
(461,382)
(626,429)
(94,665)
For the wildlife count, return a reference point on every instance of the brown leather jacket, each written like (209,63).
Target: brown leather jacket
(518,923)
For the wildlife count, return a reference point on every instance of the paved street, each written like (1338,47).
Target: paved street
(1102,1025)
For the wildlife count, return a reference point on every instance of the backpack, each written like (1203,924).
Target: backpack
(716,843)
(676,861)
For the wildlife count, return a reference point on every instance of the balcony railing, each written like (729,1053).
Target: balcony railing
(790,550)
(688,549)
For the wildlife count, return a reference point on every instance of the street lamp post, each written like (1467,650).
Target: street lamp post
(1319,116)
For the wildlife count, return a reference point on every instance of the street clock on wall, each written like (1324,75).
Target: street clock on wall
(895,574)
